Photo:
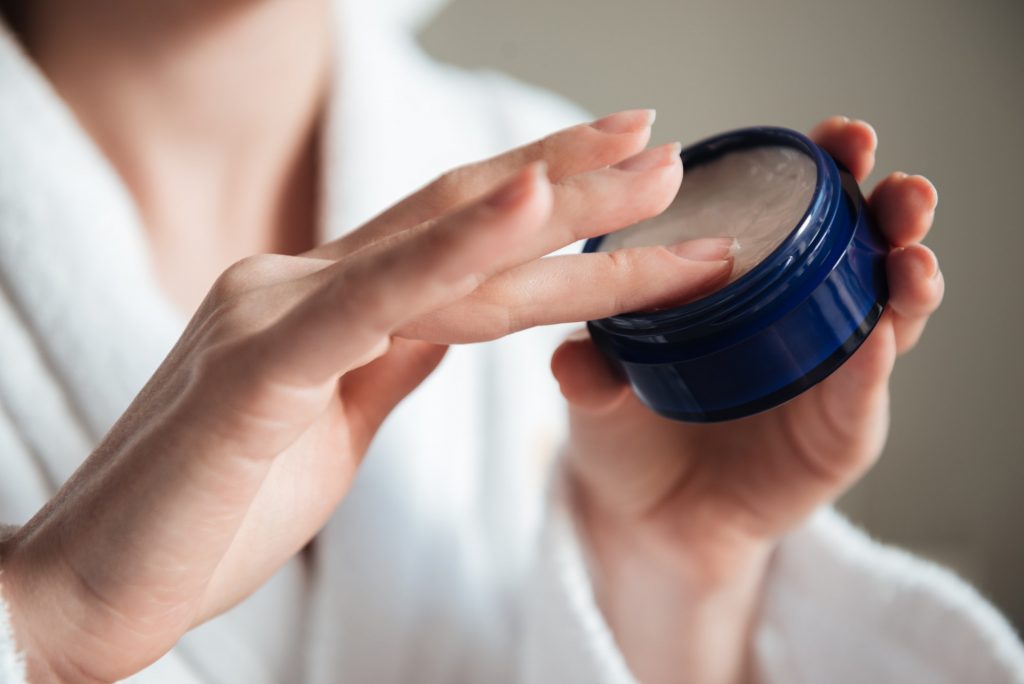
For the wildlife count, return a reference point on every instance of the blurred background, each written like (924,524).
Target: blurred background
(943,83)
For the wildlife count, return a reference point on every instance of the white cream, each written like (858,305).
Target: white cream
(756,196)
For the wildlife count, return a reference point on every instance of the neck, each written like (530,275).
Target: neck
(209,110)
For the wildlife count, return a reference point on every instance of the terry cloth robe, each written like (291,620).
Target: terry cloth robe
(448,562)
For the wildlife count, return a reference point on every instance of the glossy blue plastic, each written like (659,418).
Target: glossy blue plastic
(777,330)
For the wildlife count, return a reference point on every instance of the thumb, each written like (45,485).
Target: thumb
(623,456)
(586,378)
(373,391)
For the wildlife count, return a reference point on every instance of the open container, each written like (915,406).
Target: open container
(777,329)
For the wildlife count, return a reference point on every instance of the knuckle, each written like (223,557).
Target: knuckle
(243,275)
(445,237)
(622,269)
(358,298)
(621,263)
(235,315)
(452,186)
(546,148)
(496,312)
(233,318)
(216,364)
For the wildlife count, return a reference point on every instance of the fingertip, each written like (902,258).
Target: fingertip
(904,207)
(829,125)
(927,193)
(710,275)
(864,139)
(628,121)
(916,261)
(926,263)
(662,156)
(916,284)
(863,134)
(868,133)
(851,143)
(706,249)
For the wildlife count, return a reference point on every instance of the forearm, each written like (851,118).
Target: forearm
(674,618)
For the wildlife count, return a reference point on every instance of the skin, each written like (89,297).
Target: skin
(264,409)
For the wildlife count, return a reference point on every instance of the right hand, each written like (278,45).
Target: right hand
(250,432)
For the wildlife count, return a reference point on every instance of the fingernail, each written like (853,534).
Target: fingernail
(625,122)
(931,195)
(934,266)
(705,249)
(651,159)
(871,129)
(512,193)
(927,265)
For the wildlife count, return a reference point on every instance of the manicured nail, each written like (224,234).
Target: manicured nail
(625,122)
(512,193)
(651,159)
(705,249)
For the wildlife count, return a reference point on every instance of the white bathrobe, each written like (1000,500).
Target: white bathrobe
(447,562)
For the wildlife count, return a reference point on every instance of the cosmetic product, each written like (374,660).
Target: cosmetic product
(808,283)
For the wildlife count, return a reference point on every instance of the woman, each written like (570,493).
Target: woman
(222,526)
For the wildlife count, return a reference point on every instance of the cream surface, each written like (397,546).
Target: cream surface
(756,196)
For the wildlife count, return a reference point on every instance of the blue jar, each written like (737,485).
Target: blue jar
(779,328)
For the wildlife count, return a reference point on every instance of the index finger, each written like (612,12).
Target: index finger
(568,152)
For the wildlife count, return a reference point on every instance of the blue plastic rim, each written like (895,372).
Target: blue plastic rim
(776,331)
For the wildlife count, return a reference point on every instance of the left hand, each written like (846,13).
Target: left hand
(681,518)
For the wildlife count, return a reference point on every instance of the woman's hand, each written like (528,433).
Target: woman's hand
(681,519)
(249,434)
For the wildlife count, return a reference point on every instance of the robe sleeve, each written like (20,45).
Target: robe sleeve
(12,667)
(838,607)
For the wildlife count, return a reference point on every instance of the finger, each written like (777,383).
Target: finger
(580,287)
(916,288)
(850,142)
(586,378)
(834,431)
(364,300)
(904,208)
(373,391)
(592,203)
(606,200)
(568,152)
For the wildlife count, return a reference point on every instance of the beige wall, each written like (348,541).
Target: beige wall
(943,82)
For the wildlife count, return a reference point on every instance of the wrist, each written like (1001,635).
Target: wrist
(681,609)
